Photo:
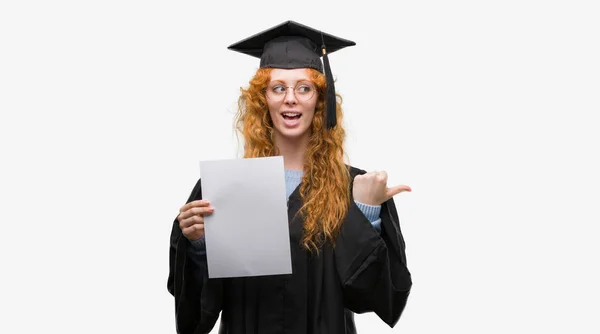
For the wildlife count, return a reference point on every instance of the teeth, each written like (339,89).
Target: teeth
(290,114)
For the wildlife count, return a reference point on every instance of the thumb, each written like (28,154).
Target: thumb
(396,190)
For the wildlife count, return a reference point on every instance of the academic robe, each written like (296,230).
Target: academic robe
(365,272)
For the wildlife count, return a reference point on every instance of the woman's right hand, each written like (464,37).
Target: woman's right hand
(191,218)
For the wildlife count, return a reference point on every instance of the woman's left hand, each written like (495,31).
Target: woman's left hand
(371,188)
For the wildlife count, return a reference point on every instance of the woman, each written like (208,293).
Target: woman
(346,245)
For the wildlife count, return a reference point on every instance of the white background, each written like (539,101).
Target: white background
(487,109)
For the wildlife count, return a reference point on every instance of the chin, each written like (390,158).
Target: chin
(293,133)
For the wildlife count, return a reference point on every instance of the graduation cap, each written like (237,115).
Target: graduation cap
(292,45)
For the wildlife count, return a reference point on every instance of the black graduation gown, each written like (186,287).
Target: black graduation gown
(366,271)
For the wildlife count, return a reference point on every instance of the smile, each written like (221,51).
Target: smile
(291,115)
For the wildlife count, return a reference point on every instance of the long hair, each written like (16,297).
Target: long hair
(325,186)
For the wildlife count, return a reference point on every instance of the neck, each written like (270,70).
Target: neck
(292,149)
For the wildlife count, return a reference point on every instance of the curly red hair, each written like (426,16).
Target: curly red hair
(325,187)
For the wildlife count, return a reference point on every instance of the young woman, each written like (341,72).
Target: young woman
(348,252)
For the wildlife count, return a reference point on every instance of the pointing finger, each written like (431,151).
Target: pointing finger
(397,189)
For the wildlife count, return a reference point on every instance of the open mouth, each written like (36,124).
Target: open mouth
(291,115)
(291,119)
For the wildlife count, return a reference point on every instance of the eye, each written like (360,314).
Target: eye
(279,89)
(304,89)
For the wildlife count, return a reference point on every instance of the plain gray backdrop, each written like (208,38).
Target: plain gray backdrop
(487,109)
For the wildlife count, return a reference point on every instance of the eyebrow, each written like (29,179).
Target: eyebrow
(299,80)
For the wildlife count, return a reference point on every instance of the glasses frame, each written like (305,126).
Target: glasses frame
(299,97)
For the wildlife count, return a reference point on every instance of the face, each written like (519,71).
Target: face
(291,98)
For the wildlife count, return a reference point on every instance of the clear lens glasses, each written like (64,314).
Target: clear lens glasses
(303,91)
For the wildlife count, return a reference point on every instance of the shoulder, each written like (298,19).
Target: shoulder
(355,171)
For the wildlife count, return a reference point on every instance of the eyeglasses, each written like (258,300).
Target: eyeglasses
(303,91)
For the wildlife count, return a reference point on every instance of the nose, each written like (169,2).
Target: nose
(290,96)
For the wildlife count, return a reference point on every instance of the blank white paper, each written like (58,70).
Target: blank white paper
(247,234)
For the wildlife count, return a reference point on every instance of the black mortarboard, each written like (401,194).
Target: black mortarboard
(293,45)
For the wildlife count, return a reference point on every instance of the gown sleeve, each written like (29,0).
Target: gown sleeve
(198,300)
(372,265)
(372,213)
